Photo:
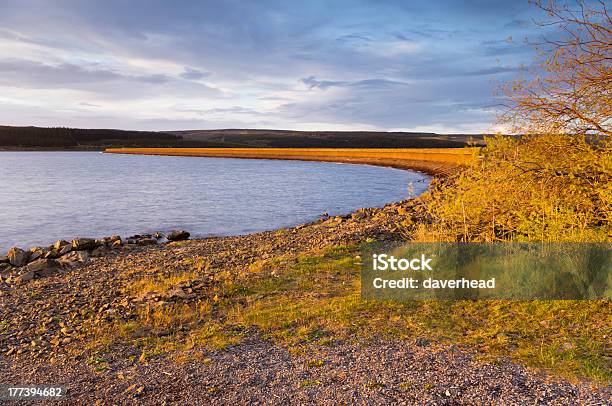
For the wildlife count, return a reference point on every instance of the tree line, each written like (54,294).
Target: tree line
(63,137)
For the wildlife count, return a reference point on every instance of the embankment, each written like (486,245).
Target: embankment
(436,161)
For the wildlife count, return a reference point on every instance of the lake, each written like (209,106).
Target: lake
(50,195)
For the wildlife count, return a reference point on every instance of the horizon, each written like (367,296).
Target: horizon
(250,129)
(364,66)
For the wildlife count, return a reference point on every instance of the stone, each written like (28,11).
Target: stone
(17,256)
(59,244)
(176,293)
(422,342)
(117,244)
(4,259)
(178,235)
(34,255)
(44,267)
(74,258)
(146,241)
(25,277)
(4,266)
(99,252)
(108,241)
(54,253)
(359,214)
(80,244)
(65,249)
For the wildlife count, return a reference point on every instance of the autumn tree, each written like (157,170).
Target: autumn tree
(554,182)
(572,95)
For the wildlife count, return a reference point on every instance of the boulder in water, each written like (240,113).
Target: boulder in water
(178,235)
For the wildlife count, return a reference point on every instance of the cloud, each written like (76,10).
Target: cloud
(494,70)
(93,78)
(518,24)
(371,64)
(194,74)
(313,83)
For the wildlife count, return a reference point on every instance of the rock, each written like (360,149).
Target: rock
(80,244)
(4,266)
(422,342)
(74,258)
(17,256)
(99,252)
(35,253)
(116,244)
(54,253)
(178,235)
(108,241)
(28,276)
(333,221)
(59,244)
(65,249)
(43,267)
(360,214)
(146,241)
(176,293)
(4,259)
(158,235)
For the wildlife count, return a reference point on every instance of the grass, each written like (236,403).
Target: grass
(315,299)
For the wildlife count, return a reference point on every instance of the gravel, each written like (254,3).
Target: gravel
(259,372)
(44,325)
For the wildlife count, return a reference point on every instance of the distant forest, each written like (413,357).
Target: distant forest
(75,138)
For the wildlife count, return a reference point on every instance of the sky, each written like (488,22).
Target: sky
(311,65)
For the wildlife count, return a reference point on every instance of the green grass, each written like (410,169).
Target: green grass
(315,299)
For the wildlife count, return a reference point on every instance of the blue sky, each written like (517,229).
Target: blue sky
(316,65)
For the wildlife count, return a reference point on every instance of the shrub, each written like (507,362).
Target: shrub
(553,188)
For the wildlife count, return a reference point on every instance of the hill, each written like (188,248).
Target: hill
(76,138)
(330,139)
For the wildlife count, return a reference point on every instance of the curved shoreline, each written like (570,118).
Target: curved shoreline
(97,340)
(98,230)
(137,321)
(438,162)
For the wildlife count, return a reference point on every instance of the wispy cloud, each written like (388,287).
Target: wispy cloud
(340,65)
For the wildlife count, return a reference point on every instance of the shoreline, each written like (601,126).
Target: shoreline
(429,168)
(113,323)
(432,161)
(196,320)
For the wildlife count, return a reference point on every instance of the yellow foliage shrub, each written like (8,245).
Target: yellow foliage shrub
(552,188)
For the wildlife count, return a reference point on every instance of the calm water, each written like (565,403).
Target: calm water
(49,195)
